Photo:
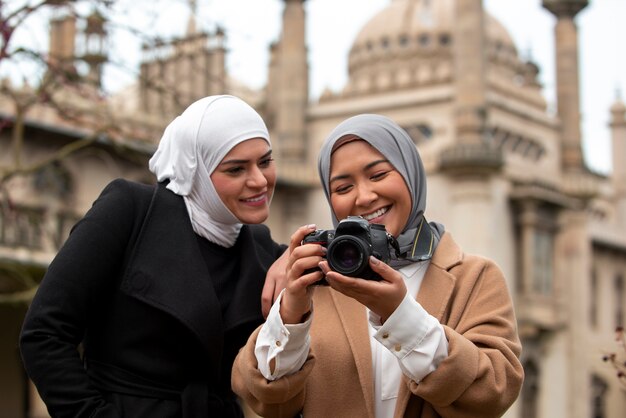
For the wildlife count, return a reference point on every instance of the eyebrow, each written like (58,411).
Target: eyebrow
(367,167)
(234,161)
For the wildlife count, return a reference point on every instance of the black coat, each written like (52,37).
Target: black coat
(131,285)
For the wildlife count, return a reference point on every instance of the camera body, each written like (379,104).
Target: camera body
(351,245)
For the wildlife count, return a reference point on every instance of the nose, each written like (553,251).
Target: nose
(256,178)
(366,194)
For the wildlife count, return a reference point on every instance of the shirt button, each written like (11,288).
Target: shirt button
(278,343)
(386,335)
(398,347)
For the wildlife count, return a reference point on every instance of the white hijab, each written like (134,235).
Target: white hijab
(190,150)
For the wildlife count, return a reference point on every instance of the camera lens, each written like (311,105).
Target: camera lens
(346,255)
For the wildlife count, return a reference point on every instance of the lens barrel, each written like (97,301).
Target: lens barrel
(348,255)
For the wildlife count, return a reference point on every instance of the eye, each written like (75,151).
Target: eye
(379,175)
(343,188)
(234,170)
(266,162)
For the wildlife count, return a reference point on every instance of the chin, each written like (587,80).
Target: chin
(254,219)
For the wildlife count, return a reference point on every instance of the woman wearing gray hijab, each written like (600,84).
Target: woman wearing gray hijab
(161,284)
(435,336)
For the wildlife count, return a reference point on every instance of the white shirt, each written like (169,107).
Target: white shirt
(411,341)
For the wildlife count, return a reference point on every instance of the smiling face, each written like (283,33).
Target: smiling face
(363,182)
(245,180)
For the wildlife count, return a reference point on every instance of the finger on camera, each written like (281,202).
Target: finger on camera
(305,251)
(306,264)
(342,283)
(323,265)
(338,277)
(299,234)
(308,250)
(383,269)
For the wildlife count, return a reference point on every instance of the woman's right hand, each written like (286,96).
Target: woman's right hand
(381,297)
(302,272)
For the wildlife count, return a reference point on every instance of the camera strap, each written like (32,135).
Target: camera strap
(422,245)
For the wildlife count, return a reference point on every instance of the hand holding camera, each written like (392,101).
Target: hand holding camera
(350,249)
(347,251)
(351,245)
(301,274)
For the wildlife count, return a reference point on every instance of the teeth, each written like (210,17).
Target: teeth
(255,199)
(376,214)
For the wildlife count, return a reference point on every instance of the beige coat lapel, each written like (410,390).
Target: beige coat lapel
(434,296)
(352,315)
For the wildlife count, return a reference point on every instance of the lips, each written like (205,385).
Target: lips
(255,200)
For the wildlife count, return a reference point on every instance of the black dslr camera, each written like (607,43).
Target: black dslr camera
(351,245)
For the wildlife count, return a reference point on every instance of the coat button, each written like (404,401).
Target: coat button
(397,347)
(386,335)
(278,343)
(140,282)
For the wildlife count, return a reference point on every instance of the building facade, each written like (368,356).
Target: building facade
(506,176)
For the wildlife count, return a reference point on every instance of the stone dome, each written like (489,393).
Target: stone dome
(410,43)
(423,21)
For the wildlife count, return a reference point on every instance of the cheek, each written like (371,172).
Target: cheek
(341,206)
(223,186)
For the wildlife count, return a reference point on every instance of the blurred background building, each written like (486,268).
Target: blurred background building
(505,175)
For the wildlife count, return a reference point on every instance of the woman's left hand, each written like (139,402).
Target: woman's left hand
(275,282)
(381,297)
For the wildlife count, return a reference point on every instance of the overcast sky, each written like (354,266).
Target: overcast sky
(332,25)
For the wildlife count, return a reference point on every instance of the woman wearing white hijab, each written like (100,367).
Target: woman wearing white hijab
(435,337)
(161,284)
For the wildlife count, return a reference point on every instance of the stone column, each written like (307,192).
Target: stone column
(293,84)
(618,177)
(216,71)
(568,106)
(469,71)
(62,42)
(574,254)
(471,153)
(471,163)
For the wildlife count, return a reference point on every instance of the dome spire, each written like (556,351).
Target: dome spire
(191,25)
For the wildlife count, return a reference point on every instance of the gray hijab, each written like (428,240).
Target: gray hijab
(419,238)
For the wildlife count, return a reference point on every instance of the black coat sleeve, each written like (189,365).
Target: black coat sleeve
(80,278)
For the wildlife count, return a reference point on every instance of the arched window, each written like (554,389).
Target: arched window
(598,396)
(530,390)
(543,260)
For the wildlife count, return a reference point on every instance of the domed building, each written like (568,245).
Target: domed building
(506,175)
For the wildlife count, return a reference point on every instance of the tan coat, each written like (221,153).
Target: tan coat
(481,377)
